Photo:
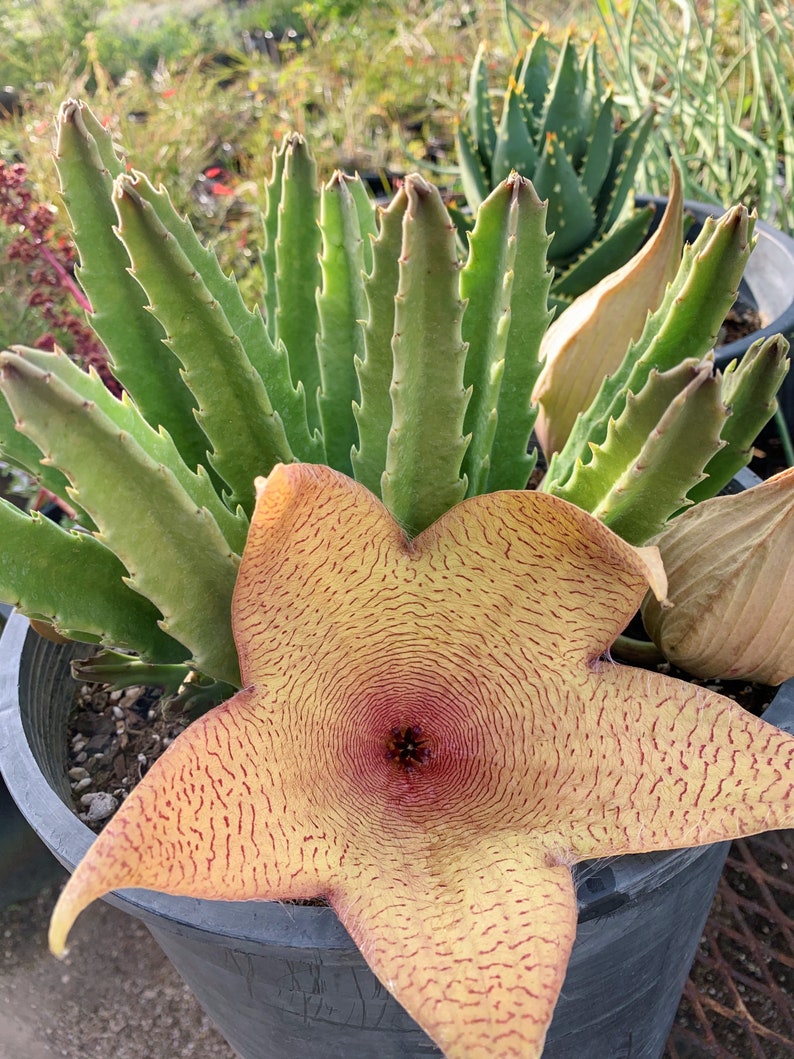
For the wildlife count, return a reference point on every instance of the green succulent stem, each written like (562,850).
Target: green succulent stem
(426,445)
(341,304)
(192,578)
(748,391)
(70,580)
(373,411)
(505,285)
(297,269)
(687,321)
(202,339)
(88,164)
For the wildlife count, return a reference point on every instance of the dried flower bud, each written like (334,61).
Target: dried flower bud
(730,565)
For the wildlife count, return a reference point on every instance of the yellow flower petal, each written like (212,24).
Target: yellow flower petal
(430,736)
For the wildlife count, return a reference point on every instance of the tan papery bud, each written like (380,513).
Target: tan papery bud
(730,568)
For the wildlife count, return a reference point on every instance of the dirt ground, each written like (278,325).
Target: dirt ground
(114,997)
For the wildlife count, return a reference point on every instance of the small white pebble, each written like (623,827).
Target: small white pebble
(81,785)
(77,774)
(118,713)
(101,807)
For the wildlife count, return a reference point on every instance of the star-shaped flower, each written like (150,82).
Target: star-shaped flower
(430,736)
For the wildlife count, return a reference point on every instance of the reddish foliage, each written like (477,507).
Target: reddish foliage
(49,262)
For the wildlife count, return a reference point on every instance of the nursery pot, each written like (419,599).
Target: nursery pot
(283,980)
(26,865)
(767,286)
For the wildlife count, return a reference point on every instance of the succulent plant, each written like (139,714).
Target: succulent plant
(325,504)
(557,127)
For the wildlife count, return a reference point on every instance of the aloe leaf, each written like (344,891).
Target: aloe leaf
(561,115)
(607,254)
(591,105)
(146,368)
(342,309)
(685,324)
(570,213)
(627,153)
(514,147)
(174,551)
(597,159)
(374,411)
(504,283)
(70,580)
(422,479)
(157,444)
(473,174)
(535,74)
(235,412)
(748,389)
(480,113)
(269,361)
(298,246)
(653,453)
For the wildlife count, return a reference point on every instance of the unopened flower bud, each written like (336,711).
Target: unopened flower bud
(730,568)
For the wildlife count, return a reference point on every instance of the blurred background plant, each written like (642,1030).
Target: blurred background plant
(555,125)
(721,79)
(197,91)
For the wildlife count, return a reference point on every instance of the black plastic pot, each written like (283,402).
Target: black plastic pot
(26,865)
(767,286)
(283,980)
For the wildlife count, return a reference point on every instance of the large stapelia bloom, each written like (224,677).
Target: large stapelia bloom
(430,736)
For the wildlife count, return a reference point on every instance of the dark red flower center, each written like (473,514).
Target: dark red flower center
(406,747)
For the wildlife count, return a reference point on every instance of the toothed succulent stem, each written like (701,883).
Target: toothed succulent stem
(87,164)
(202,339)
(686,323)
(505,285)
(341,307)
(426,445)
(173,550)
(70,580)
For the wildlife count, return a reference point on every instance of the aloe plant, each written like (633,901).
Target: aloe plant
(558,127)
(325,504)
